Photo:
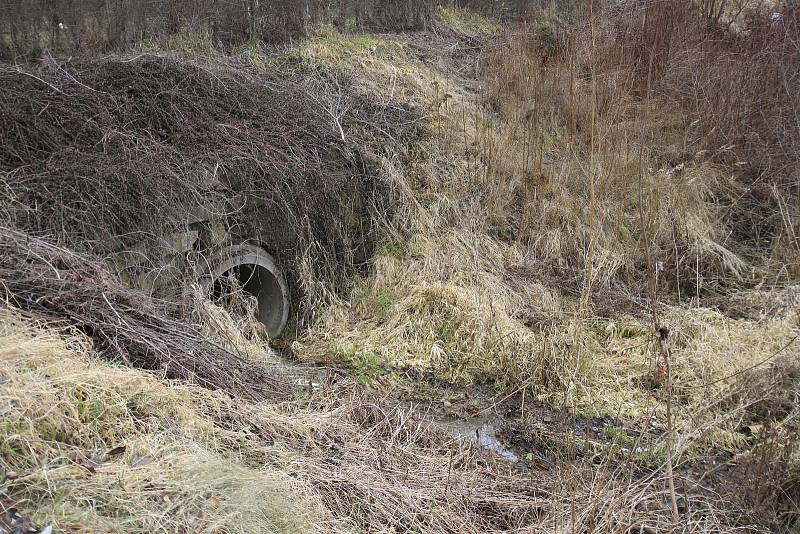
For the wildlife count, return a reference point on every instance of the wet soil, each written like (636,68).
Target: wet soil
(536,437)
(528,435)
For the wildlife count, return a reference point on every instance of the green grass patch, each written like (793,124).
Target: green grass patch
(466,22)
(384,304)
(617,434)
(365,364)
(390,249)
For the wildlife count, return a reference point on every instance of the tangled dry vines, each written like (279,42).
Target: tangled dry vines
(126,325)
(122,150)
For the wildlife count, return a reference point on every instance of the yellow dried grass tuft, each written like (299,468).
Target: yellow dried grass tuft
(93,448)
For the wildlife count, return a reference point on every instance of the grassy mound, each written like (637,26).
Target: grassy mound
(92,448)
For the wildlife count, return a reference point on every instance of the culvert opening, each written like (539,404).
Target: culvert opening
(251,271)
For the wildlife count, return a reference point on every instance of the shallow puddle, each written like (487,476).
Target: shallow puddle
(480,431)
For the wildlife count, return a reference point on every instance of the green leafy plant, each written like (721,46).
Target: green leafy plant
(384,304)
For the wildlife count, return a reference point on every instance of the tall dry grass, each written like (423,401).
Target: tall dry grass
(525,212)
(582,127)
(707,117)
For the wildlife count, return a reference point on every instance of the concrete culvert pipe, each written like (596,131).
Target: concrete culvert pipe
(258,275)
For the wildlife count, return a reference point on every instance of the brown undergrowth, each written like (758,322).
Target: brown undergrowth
(525,188)
(126,325)
(89,447)
(256,146)
(516,254)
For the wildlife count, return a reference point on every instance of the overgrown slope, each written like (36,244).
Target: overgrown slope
(550,225)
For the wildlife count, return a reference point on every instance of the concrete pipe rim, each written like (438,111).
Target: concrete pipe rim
(260,276)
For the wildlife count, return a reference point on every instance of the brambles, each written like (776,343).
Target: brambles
(99,147)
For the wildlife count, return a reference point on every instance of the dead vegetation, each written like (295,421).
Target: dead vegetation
(126,325)
(256,146)
(29,29)
(520,204)
(517,254)
(123,451)
(716,151)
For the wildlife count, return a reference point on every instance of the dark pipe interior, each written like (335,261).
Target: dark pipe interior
(258,282)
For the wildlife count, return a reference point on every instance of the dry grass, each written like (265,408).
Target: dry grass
(522,204)
(515,255)
(91,448)
(465,21)
(234,326)
(483,227)
(88,447)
